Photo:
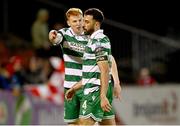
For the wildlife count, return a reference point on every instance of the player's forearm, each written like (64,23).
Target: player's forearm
(77,86)
(104,84)
(104,77)
(114,72)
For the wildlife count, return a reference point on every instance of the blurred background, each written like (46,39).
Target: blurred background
(145,40)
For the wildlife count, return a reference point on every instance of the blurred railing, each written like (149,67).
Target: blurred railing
(138,48)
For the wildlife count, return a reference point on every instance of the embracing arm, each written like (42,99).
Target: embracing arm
(117,86)
(77,86)
(70,93)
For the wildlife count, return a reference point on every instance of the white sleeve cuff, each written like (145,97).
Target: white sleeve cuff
(58,39)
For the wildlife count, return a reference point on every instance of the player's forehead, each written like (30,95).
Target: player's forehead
(75,17)
(88,17)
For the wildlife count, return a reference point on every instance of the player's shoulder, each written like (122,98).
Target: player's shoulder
(64,30)
(102,38)
(100,35)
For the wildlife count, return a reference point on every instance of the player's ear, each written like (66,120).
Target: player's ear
(96,25)
(68,23)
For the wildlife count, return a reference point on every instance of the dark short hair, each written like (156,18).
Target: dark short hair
(96,13)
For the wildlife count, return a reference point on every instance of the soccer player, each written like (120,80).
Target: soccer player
(96,104)
(72,42)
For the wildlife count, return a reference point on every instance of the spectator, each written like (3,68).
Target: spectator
(145,78)
(4,78)
(16,79)
(11,77)
(40,30)
(33,75)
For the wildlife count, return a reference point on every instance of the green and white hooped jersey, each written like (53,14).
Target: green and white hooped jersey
(97,49)
(73,48)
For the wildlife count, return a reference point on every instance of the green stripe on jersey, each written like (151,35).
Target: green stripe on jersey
(87,75)
(72,52)
(75,39)
(89,62)
(72,78)
(73,65)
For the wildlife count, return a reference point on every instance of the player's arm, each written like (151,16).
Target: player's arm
(102,62)
(104,78)
(117,86)
(70,93)
(77,86)
(55,37)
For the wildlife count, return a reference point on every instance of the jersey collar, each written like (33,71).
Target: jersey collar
(72,32)
(96,32)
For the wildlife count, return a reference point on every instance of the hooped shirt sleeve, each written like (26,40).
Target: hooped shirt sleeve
(101,52)
(60,37)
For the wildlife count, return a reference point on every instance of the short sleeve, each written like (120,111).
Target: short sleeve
(100,52)
(59,38)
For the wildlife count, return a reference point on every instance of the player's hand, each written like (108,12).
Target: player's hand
(69,94)
(105,105)
(117,91)
(52,35)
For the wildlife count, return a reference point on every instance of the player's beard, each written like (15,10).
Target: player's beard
(88,32)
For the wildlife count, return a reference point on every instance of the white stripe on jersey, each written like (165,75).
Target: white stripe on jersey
(74,46)
(106,45)
(69,84)
(70,34)
(76,72)
(88,56)
(92,80)
(91,68)
(90,90)
(73,59)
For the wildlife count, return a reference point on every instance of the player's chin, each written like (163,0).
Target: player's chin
(86,33)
